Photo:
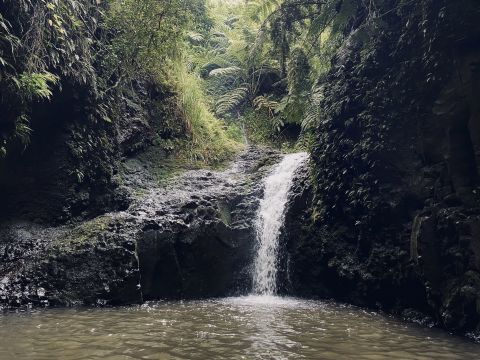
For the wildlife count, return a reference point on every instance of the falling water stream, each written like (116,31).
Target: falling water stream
(259,326)
(269,221)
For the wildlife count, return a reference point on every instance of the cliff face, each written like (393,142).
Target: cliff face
(70,169)
(69,115)
(192,238)
(395,168)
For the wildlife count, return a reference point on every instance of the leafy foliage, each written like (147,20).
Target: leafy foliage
(41,41)
(267,56)
(102,48)
(36,85)
(260,55)
(232,99)
(146,35)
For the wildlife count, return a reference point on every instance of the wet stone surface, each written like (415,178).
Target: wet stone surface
(191,238)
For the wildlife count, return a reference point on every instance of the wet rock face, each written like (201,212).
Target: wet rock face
(90,264)
(296,229)
(197,237)
(205,260)
(395,170)
(190,239)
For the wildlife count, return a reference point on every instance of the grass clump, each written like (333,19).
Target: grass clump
(210,140)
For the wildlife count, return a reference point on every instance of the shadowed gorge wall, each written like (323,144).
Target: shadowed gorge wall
(70,168)
(67,169)
(395,169)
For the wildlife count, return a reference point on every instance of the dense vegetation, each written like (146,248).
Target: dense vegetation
(105,48)
(255,65)
(262,60)
(396,164)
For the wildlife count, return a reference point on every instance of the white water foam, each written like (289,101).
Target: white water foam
(268,223)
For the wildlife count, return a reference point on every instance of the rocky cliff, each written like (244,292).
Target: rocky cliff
(395,169)
(70,169)
(190,238)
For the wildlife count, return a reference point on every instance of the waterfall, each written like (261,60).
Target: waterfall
(269,220)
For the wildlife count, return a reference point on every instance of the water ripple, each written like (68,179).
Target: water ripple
(252,327)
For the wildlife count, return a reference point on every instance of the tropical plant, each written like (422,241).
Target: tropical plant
(294,39)
(41,41)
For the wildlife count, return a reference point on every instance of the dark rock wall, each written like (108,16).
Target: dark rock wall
(202,258)
(395,168)
(199,239)
(69,171)
(94,263)
(67,168)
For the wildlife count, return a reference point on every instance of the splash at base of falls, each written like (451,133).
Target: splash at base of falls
(269,221)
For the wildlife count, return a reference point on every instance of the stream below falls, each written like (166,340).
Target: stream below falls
(253,327)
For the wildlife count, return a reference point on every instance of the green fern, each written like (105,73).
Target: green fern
(232,100)
(195,37)
(36,85)
(231,72)
(266,103)
(313,111)
(298,74)
(22,129)
(258,10)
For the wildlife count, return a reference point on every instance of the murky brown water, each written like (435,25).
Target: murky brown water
(237,328)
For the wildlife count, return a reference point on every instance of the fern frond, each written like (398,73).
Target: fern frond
(313,112)
(266,103)
(258,10)
(231,71)
(258,44)
(232,99)
(23,130)
(323,20)
(195,37)
(298,72)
